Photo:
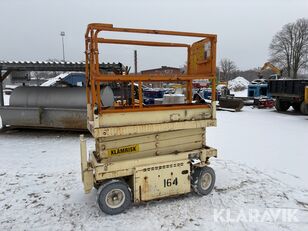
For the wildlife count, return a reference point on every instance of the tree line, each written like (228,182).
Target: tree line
(288,51)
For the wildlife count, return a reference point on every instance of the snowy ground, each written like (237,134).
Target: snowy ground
(262,166)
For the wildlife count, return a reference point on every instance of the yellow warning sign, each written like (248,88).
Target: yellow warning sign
(123,150)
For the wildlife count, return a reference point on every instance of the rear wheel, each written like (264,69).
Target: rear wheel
(114,197)
(296,106)
(282,105)
(304,108)
(203,180)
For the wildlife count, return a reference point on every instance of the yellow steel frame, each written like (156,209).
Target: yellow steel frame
(94,77)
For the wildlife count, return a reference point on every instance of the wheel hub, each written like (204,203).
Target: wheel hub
(206,180)
(115,198)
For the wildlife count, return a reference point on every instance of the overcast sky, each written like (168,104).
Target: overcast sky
(30,30)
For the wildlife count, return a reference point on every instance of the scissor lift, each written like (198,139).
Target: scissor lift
(144,152)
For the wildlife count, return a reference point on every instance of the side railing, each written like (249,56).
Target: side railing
(201,65)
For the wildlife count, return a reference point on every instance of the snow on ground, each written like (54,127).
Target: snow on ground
(261,165)
(265,139)
(238,83)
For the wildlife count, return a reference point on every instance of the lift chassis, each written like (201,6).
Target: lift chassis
(147,152)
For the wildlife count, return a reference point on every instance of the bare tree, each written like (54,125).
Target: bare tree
(289,47)
(227,68)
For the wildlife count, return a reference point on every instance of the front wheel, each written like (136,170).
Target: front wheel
(114,197)
(203,180)
(282,105)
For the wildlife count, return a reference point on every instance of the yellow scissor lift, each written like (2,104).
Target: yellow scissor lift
(144,152)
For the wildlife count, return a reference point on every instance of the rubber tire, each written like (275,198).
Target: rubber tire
(282,105)
(304,108)
(196,183)
(296,106)
(105,188)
